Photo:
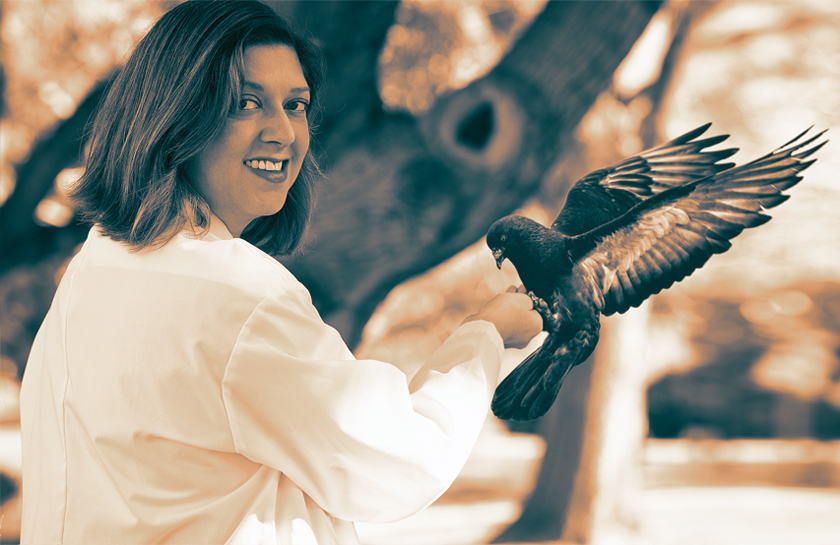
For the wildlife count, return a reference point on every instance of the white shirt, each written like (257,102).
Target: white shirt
(192,394)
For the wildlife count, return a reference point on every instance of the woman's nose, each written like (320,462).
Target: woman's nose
(278,129)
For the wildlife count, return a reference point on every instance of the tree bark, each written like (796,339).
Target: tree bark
(546,512)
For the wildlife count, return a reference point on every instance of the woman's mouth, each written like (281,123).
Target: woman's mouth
(261,164)
(272,171)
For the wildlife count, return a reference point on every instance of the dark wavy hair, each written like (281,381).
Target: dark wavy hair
(173,97)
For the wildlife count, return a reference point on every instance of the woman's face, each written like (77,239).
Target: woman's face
(247,171)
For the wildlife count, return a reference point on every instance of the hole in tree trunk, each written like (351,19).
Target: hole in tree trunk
(476,129)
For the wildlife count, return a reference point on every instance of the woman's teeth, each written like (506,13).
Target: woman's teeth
(265,165)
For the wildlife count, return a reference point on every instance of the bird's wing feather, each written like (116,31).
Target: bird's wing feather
(605,194)
(667,237)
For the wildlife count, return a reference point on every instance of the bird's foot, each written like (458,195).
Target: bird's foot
(544,310)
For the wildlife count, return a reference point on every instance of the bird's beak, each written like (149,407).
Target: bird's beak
(499,256)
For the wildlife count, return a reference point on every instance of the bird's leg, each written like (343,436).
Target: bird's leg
(549,320)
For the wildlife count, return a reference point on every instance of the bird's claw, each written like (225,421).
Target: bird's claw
(543,309)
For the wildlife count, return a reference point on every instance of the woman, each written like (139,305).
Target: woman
(182,388)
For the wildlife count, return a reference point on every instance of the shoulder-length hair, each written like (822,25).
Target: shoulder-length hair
(173,97)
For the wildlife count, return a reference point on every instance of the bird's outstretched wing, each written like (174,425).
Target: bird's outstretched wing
(670,235)
(606,194)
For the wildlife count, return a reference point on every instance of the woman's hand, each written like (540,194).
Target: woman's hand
(513,315)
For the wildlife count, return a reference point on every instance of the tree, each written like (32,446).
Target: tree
(404,193)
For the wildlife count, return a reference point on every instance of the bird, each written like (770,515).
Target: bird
(627,232)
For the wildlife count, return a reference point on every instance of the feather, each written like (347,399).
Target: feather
(607,193)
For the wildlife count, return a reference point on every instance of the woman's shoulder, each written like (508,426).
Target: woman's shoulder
(233,262)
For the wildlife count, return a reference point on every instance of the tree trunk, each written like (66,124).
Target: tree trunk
(602,507)
(594,433)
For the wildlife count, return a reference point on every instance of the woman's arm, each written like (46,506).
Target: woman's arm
(354,435)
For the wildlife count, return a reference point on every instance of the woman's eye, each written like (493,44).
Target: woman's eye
(298,106)
(248,104)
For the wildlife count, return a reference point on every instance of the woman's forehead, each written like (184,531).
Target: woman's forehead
(274,68)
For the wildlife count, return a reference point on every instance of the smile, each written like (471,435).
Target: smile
(270,166)
(275,172)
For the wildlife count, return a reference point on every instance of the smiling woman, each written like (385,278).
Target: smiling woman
(182,98)
(246,172)
(182,387)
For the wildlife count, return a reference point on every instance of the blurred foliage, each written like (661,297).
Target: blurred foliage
(764,71)
(753,335)
(756,367)
(53,53)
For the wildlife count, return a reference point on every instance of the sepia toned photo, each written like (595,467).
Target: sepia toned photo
(420,272)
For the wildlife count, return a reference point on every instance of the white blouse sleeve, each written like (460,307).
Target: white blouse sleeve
(354,435)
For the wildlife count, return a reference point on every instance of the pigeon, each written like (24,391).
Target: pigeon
(625,233)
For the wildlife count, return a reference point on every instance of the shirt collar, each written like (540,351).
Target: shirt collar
(218,229)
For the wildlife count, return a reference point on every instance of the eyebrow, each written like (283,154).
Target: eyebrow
(259,87)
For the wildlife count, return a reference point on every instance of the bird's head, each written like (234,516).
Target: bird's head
(503,236)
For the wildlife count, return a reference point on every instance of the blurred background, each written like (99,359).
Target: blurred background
(710,415)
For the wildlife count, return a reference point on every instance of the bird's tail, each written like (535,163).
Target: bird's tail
(529,390)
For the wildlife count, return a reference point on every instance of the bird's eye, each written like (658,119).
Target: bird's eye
(504,238)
